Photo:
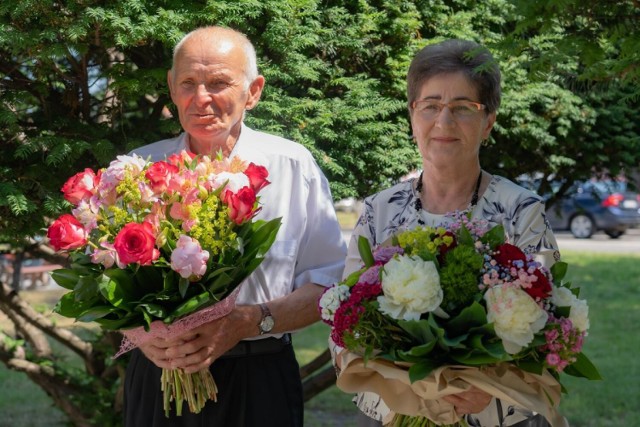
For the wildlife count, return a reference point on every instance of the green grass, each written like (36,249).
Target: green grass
(608,281)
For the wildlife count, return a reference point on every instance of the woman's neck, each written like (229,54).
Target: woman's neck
(443,192)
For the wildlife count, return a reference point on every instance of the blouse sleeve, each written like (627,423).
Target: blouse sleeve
(532,234)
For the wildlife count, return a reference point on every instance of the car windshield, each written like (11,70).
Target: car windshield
(606,187)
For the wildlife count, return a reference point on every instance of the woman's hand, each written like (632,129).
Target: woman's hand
(472,401)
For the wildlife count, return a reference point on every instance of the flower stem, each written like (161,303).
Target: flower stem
(194,388)
(400,420)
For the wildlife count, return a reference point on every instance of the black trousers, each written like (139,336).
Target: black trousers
(255,390)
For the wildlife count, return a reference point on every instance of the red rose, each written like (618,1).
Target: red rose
(241,204)
(507,253)
(159,174)
(80,186)
(257,176)
(135,243)
(66,233)
(541,288)
(179,158)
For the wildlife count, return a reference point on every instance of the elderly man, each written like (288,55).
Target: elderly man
(213,81)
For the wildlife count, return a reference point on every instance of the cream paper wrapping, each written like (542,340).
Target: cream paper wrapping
(539,393)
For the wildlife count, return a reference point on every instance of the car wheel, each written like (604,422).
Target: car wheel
(581,226)
(614,234)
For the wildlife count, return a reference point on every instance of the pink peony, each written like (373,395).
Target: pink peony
(189,259)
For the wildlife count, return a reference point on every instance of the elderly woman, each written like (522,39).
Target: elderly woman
(453,90)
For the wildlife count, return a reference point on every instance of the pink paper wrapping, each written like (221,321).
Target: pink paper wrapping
(136,337)
(539,393)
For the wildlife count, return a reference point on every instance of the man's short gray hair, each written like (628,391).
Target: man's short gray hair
(251,70)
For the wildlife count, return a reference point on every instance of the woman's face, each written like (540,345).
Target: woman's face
(448,138)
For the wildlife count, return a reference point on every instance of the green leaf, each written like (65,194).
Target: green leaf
(117,287)
(96,312)
(154,310)
(189,306)
(418,352)
(583,367)
(365,251)
(494,237)
(67,306)
(420,330)
(531,366)
(419,371)
(559,270)
(471,316)
(65,277)
(465,237)
(86,288)
(183,286)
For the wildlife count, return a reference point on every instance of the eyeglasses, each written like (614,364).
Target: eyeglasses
(460,110)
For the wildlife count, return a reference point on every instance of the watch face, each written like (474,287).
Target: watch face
(267,324)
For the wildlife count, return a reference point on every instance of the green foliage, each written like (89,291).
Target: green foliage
(85,81)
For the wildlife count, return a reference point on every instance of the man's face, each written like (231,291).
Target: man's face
(209,87)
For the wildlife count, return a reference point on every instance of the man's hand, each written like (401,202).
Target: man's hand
(200,347)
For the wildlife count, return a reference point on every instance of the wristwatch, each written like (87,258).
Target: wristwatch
(267,322)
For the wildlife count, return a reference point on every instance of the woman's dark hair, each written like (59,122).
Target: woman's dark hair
(451,56)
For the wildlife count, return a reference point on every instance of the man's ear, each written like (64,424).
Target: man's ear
(255,91)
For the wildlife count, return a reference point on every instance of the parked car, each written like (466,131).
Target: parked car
(350,204)
(594,205)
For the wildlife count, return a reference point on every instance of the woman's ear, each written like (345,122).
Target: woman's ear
(491,119)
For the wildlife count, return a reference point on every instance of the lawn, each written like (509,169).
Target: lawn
(608,281)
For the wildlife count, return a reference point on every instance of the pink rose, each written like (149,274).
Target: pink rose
(135,243)
(80,186)
(67,233)
(257,176)
(159,174)
(179,158)
(188,259)
(241,204)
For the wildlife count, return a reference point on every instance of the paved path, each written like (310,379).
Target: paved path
(628,243)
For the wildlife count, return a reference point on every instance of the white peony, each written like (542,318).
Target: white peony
(579,314)
(331,300)
(411,286)
(515,315)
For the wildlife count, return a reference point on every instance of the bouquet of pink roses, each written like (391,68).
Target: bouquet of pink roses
(158,248)
(439,309)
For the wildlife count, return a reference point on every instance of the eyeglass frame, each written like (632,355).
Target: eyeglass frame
(479,107)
